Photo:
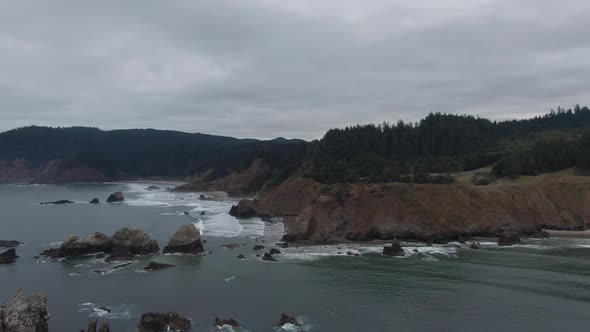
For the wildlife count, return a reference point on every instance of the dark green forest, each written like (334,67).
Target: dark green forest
(428,151)
(440,144)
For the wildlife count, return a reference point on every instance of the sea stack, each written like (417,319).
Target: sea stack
(394,250)
(186,240)
(116,197)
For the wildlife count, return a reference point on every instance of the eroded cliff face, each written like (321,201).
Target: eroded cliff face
(318,212)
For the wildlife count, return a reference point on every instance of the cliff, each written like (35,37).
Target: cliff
(318,212)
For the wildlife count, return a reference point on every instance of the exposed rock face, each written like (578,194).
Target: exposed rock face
(394,250)
(116,197)
(318,212)
(23,314)
(268,257)
(245,209)
(508,239)
(187,240)
(8,257)
(9,243)
(104,326)
(124,244)
(74,246)
(229,322)
(153,266)
(60,202)
(128,242)
(156,322)
(287,319)
(94,201)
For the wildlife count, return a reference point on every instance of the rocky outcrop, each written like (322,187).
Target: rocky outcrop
(22,314)
(287,319)
(124,244)
(395,249)
(220,323)
(94,201)
(157,322)
(129,242)
(275,251)
(8,257)
(116,197)
(508,239)
(317,212)
(60,202)
(154,266)
(186,240)
(10,243)
(93,326)
(268,257)
(245,209)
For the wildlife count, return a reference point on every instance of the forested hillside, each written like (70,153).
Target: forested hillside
(445,143)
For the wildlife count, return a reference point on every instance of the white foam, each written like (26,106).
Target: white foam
(229,279)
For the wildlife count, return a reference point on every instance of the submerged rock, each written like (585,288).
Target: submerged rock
(153,188)
(23,314)
(10,243)
(268,257)
(241,256)
(275,251)
(94,201)
(508,239)
(474,245)
(116,197)
(223,322)
(186,240)
(153,266)
(394,250)
(60,202)
(287,319)
(156,322)
(8,257)
(258,247)
(283,245)
(231,245)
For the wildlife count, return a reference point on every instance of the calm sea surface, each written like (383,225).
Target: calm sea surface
(541,286)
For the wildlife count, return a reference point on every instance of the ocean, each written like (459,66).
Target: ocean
(543,285)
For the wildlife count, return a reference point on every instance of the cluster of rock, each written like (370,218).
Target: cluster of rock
(395,249)
(113,198)
(23,314)
(127,243)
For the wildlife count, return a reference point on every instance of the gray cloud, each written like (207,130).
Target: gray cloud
(266,68)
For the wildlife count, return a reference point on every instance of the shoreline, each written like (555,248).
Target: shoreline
(569,234)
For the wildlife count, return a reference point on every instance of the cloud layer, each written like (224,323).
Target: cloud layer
(268,68)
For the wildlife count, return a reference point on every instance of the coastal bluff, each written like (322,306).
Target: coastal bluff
(318,212)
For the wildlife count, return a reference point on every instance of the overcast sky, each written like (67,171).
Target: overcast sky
(293,68)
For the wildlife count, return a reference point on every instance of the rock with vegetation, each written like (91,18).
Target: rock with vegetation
(508,239)
(395,249)
(221,323)
(154,266)
(157,322)
(186,240)
(124,244)
(22,314)
(116,197)
(8,257)
(10,243)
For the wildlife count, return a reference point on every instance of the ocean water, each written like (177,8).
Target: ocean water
(543,285)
